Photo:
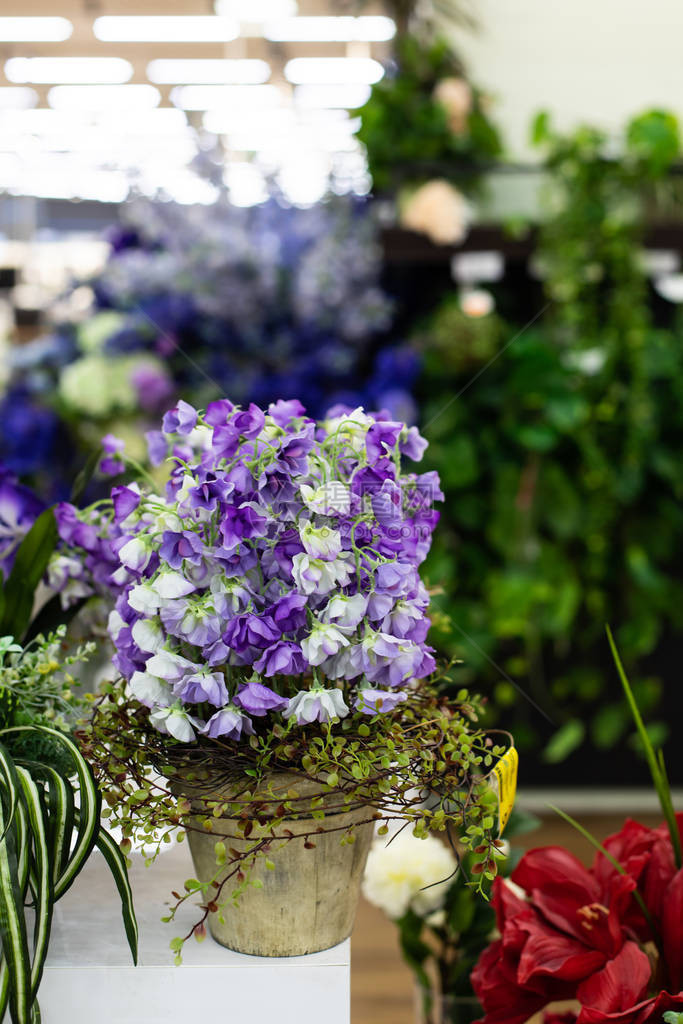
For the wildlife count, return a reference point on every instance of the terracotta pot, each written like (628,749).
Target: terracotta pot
(308,901)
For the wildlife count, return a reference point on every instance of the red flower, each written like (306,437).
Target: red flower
(564,934)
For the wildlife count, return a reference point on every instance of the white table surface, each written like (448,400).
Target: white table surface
(89,977)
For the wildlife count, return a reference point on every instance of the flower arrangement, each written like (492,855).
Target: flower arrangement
(201,300)
(592,944)
(269,615)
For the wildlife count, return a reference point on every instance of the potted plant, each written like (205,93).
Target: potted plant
(270,627)
(49,800)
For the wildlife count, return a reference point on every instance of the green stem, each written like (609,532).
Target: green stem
(657,771)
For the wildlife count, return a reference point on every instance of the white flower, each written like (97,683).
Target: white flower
(176,723)
(314,576)
(148,635)
(399,870)
(317,705)
(135,554)
(350,428)
(323,642)
(439,211)
(170,666)
(322,542)
(149,689)
(332,498)
(144,599)
(455,95)
(170,585)
(345,612)
(476,302)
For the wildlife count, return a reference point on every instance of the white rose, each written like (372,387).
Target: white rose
(439,211)
(398,872)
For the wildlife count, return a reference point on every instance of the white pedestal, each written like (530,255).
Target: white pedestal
(89,977)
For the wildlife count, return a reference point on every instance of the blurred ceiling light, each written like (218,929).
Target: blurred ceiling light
(246,184)
(344,29)
(35,30)
(207,71)
(333,70)
(256,11)
(17,98)
(103,97)
(171,28)
(313,97)
(221,97)
(68,69)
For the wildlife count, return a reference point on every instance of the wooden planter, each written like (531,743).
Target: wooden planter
(308,900)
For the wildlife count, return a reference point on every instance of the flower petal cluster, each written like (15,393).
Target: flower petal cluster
(272,578)
(406,873)
(572,933)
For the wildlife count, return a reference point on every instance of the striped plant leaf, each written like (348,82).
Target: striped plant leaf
(42,883)
(9,789)
(61,817)
(117,865)
(12,920)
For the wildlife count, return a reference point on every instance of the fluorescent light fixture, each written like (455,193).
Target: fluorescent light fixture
(171,28)
(103,97)
(17,97)
(207,71)
(83,70)
(256,11)
(35,30)
(333,70)
(318,97)
(225,97)
(343,29)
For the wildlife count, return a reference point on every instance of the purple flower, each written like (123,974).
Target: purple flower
(289,612)
(209,492)
(284,412)
(317,705)
(181,420)
(240,524)
(19,508)
(413,446)
(250,630)
(153,385)
(387,503)
(395,578)
(157,447)
(178,547)
(283,658)
(112,464)
(218,413)
(381,439)
(73,530)
(258,699)
(373,702)
(125,501)
(228,722)
(203,686)
(225,441)
(250,421)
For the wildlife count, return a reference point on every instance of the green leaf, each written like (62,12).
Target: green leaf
(29,567)
(43,891)
(12,921)
(567,738)
(117,866)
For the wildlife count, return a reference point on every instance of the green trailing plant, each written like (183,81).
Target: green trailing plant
(559,457)
(438,143)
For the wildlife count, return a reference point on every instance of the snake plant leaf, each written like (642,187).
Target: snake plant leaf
(41,876)
(117,865)
(12,920)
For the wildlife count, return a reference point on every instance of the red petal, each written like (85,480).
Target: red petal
(549,953)
(556,872)
(621,983)
(672,931)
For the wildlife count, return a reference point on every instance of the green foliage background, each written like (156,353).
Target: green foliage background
(561,462)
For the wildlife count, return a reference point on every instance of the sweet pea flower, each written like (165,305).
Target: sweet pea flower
(176,722)
(289,612)
(147,634)
(150,690)
(258,699)
(202,686)
(170,666)
(170,585)
(332,498)
(283,658)
(373,702)
(135,554)
(345,612)
(112,464)
(230,723)
(316,705)
(181,420)
(315,576)
(177,548)
(323,641)
(321,542)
